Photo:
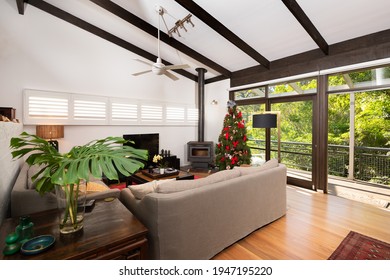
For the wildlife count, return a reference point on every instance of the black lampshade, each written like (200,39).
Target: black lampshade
(264,121)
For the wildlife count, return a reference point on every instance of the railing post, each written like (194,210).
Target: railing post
(351,164)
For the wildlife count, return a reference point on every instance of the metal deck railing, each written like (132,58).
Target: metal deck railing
(371,164)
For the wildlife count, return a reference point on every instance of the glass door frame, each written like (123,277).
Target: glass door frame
(307,184)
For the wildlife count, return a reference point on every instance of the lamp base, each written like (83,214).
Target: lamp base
(54,144)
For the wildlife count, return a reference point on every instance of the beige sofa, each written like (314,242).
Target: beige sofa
(197,219)
(26,200)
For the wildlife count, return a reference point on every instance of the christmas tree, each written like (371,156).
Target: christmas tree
(232,149)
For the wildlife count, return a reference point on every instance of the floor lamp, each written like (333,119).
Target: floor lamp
(269,119)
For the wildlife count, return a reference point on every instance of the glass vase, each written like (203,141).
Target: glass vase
(71,207)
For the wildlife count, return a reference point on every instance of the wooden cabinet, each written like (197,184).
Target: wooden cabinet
(110,232)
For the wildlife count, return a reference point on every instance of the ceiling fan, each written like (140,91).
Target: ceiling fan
(158,67)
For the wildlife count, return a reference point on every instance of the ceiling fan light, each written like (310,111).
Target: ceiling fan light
(157,70)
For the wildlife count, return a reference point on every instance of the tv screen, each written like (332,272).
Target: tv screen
(148,142)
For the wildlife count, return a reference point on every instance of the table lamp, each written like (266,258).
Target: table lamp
(50,132)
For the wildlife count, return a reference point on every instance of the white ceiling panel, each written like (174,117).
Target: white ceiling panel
(257,25)
(267,26)
(339,21)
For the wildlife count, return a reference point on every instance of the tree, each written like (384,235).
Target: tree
(232,149)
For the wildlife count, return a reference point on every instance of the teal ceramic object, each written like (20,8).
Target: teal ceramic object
(37,245)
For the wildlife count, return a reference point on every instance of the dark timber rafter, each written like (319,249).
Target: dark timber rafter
(20,4)
(44,6)
(306,23)
(213,23)
(151,30)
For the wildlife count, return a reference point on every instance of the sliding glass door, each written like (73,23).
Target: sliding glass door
(359,136)
(293,102)
(296,138)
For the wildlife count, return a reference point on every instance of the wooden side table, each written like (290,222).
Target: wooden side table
(110,232)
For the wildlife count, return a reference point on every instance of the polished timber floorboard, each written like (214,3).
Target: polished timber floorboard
(313,227)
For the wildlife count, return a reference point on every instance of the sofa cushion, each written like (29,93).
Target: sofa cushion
(249,170)
(139,191)
(223,175)
(181,185)
(96,186)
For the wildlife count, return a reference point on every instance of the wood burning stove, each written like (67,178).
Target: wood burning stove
(200,154)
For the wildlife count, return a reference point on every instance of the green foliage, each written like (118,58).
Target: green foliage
(296,121)
(372,119)
(97,157)
(232,149)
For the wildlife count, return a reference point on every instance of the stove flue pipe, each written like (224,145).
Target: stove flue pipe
(201,83)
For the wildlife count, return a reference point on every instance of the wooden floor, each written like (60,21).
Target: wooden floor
(313,227)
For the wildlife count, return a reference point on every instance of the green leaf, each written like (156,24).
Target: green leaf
(105,155)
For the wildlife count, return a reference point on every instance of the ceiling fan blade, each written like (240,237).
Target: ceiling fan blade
(144,62)
(140,73)
(170,75)
(179,66)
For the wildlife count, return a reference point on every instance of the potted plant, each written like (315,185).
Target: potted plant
(68,171)
(161,163)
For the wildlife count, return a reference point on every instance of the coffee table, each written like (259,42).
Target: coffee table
(141,178)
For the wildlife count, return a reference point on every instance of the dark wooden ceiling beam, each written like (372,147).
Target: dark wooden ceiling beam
(215,79)
(306,23)
(151,30)
(362,49)
(20,4)
(213,23)
(50,9)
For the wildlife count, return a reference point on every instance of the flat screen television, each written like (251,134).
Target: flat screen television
(148,142)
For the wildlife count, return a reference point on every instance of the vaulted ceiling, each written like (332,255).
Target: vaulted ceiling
(231,38)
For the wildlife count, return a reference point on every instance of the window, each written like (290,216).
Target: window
(249,93)
(175,114)
(192,115)
(123,111)
(89,108)
(377,77)
(293,88)
(151,113)
(46,107)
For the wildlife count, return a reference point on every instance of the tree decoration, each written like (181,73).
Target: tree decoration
(232,149)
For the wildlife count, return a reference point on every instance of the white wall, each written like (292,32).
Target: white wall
(39,51)
(9,168)
(215,114)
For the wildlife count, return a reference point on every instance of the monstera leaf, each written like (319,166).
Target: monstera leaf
(105,156)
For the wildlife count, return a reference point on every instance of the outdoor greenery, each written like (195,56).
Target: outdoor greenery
(372,124)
